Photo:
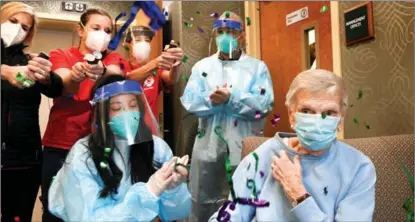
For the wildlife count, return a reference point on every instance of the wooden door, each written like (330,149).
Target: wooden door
(283,49)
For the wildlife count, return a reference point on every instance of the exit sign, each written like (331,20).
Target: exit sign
(73,7)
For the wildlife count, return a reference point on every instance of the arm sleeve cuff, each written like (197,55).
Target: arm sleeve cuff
(308,210)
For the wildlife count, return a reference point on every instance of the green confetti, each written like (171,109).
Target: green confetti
(185,78)
(204,74)
(19,77)
(323,115)
(103,165)
(228,14)
(126,47)
(107,150)
(360,94)
(198,12)
(272,104)
(324,9)
(201,133)
(185,58)
(356,121)
(248,21)
(154,73)
(367,126)
(188,24)
(27,83)
(249,166)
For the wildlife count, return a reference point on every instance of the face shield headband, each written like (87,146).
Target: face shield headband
(226,23)
(116,88)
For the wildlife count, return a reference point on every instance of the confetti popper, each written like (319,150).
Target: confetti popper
(204,74)
(257,114)
(185,58)
(248,21)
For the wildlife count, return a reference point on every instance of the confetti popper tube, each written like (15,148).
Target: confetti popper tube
(90,59)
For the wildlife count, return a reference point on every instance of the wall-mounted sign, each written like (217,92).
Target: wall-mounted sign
(73,7)
(296,16)
(359,23)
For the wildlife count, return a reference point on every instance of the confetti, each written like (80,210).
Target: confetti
(198,12)
(201,133)
(204,74)
(257,114)
(227,14)
(188,24)
(262,91)
(367,126)
(360,94)
(323,115)
(126,47)
(235,123)
(191,19)
(256,160)
(272,104)
(107,150)
(266,111)
(200,30)
(261,173)
(252,202)
(324,9)
(103,165)
(185,58)
(275,120)
(356,121)
(249,166)
(154,73)
(248,21)
(215,15)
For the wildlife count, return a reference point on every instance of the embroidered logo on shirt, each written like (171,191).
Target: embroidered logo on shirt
(149,82)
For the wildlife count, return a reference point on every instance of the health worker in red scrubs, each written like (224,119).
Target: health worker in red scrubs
(79,67)
(154,75)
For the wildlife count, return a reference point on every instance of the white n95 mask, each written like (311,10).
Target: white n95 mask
(12,34)
(97,40)
(141,50)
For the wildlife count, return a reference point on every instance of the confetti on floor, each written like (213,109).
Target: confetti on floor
(367,126)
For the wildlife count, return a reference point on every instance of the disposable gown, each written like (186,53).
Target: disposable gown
(250,101)
(74,193)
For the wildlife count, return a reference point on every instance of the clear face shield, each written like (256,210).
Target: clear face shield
(121,112)
(140,37)
(227,32)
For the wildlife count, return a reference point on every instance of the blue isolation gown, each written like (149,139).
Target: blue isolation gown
(251,99)
(74,193)
(341,183)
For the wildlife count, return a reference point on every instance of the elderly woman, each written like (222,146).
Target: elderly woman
(307,176)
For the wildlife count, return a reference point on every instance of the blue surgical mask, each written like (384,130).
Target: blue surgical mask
(314,132)
(125,125)
(224,42)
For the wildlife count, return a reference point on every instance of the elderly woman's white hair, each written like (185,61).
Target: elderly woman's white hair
(317,80)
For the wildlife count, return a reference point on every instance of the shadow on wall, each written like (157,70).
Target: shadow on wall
(384,71)
(193,23)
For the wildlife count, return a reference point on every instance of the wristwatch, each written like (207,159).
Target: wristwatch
(297,201)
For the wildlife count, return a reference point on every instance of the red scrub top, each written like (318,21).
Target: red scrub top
(69,118)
